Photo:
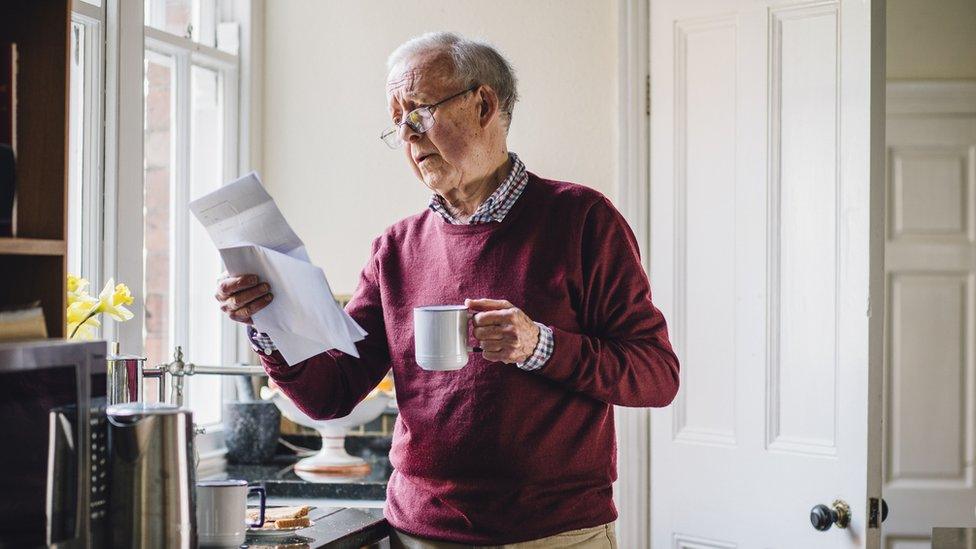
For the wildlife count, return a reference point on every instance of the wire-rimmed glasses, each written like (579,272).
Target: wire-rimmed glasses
(419,120)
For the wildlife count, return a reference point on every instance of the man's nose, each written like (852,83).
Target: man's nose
(407,134)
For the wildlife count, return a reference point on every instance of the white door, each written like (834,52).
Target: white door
(930,263)
(767,193)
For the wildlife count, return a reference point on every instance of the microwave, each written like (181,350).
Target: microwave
(53,444)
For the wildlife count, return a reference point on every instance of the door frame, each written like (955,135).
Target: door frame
(633,425)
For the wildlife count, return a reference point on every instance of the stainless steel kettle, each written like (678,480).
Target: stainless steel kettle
(152,501)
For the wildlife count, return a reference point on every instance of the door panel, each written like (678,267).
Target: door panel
(803,261)
(767,255)
(705,183)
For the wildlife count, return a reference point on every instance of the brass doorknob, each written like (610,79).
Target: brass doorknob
(823,517)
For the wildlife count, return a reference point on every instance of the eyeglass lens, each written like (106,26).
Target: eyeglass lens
(419,120)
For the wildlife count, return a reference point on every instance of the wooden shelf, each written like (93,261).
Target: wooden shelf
(31,246)
(34,266)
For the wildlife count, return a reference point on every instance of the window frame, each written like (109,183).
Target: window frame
(120,241)
(185,53)
(91,190)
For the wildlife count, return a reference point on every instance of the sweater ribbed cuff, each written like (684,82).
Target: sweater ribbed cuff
(564,361)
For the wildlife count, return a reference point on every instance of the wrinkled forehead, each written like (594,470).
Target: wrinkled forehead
(420,79)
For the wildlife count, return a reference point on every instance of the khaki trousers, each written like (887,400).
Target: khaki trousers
(597,537)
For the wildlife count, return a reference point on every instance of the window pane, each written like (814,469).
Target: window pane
(206,175)
(158,177)
(76,146)
(172,16)
(194,19)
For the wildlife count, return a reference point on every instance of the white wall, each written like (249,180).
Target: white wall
(325,105)
(931,39)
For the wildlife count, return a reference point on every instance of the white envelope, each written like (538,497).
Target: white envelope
(247,227)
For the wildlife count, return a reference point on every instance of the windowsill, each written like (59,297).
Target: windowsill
(211,451)
(212,463)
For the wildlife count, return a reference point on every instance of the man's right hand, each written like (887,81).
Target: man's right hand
(242,296)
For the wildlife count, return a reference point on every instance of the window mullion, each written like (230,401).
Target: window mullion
(93,151)
(179,251)
(229,89)
(123,134)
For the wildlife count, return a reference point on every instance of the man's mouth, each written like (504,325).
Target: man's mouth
(423,157)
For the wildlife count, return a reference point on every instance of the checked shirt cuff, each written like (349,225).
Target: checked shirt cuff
(543,350)
(260,342)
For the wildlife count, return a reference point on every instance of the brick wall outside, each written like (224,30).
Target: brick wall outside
(157,183)
(158,140)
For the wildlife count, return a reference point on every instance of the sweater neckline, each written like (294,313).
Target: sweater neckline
(478,228)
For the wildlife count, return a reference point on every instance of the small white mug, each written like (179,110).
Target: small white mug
(440,337)
(222,511)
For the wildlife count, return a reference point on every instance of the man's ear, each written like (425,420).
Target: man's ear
(488,105)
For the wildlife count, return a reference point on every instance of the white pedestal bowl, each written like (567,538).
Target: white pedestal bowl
(332,461)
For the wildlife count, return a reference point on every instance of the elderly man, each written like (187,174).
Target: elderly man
(518,446)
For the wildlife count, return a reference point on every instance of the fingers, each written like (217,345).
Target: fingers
(243,297)
(230,285)
(487,304)
(245,313)
(495,333)
(496,317)
(504,332)
(498,335)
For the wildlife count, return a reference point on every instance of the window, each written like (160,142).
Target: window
(154,122)
(190,148)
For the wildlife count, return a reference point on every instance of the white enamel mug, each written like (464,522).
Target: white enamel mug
(222,512)
(440,337)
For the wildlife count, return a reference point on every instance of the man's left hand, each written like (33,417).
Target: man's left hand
(506,334)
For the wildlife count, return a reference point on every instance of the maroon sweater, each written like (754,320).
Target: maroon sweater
(491,454)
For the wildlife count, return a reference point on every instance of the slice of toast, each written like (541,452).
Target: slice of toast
(302,522)
(272,514)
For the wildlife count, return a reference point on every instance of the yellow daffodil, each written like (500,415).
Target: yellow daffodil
(85,332)
(74,282)
(81,320)
(113,299)
(82,307)
(78,311)
(77,290)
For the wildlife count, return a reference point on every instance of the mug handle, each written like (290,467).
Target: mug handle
(259,490)
(475,348)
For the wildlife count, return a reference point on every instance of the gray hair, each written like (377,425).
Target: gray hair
(475,62)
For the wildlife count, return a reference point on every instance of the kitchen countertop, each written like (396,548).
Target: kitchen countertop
(333,528)
(347,511)
(281,480)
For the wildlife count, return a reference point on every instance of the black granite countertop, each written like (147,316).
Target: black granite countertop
(281,480)
(333,526)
